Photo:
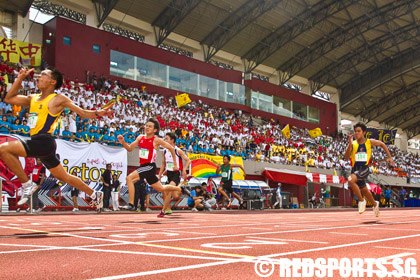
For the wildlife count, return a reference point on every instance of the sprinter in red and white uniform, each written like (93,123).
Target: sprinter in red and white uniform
(174,177)
(148,146)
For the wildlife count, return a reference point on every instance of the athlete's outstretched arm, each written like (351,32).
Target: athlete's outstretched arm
(65,102)
(385,148)
(132,145)
(12,96)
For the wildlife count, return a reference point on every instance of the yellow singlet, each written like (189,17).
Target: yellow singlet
(40,120)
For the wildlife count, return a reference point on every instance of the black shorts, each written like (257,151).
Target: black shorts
(227,186)
(174,176)
(42,146)
(361,173)
(74,192)
(148,172)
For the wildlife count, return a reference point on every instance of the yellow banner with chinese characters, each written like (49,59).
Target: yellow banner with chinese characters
(23,52)
(203,165)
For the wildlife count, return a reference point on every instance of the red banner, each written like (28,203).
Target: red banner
(10,181)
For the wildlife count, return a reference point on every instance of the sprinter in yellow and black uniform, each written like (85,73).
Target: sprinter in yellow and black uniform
(43,116)
(359,152)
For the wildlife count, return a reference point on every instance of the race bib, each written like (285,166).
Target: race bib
(35,171)
(170,166)
(32,119)
(144,153)
(361,157)
(224,174)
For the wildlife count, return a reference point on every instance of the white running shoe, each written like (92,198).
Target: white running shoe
(194,209)
(376,208)
(223,208)
(148,209)
(27,192)
(362,206)
(75,210)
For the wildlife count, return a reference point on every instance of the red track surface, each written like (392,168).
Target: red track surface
(217,245)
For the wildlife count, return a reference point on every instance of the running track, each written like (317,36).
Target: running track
(216,245)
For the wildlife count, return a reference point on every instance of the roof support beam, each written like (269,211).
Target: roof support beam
(286,33)
(171,16)
(363,53)
(412,131)
(27,7)
(380,74)
(395,99)
(370,19)
(405,116)
(233,24)
(103,9)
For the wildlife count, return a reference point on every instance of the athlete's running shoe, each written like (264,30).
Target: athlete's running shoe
(229,203)
(168,212)
(376,208)
(27,192)
(362,206)
(161,214)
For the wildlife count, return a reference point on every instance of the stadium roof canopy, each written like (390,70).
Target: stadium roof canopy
(368,49)
(18,6)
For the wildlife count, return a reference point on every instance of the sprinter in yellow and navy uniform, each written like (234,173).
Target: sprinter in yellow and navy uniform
(359,152)
(44,110)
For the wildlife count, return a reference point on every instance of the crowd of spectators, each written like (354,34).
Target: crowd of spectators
(200,127)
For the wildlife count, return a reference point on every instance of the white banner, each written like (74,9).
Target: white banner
(89,160)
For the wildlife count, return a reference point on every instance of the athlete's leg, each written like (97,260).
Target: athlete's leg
(9,153)
(147,200)
(131,179)
(352,179)
(75,205)
(166,193)
(61,174)
(224,195)
(237,197)
(368,195)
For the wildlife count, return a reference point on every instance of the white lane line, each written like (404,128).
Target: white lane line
(152,272)
(189,232)
(289,240)
(402,255)
(347,233)
(273,232)
(397,248)
(86,248)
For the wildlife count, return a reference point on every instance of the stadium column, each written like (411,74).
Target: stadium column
(248,95)
(21,26)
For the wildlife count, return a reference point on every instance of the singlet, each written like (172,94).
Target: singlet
(170,161)
(36,173)
(40,120)
(147,152)
(361,154)
(226,173)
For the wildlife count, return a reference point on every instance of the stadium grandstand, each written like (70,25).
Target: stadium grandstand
(277,86)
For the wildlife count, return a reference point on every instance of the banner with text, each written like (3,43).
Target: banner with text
(89,160)
(205,166)
(16,51)
(385,135)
